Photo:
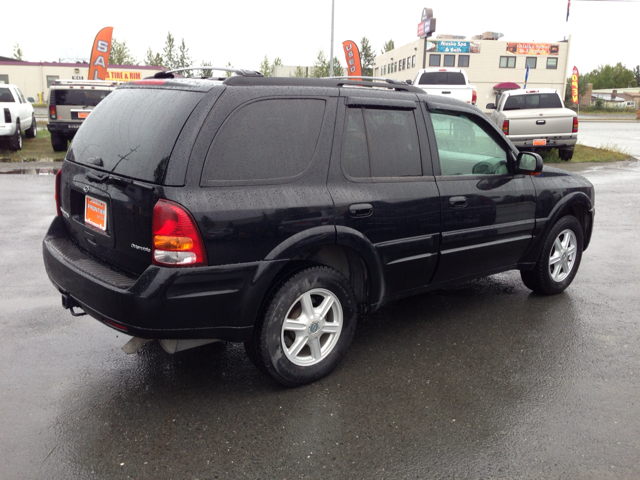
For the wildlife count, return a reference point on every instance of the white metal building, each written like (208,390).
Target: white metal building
(487,62)
(35,78)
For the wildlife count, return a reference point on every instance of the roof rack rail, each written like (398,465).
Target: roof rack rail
(237,71)
(380,79)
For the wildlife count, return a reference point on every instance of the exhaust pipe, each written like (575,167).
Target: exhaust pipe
(170,346)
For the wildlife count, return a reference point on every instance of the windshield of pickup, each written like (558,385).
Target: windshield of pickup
(535,100)
(442,78)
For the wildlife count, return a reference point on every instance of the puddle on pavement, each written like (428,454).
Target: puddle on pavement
(31,171)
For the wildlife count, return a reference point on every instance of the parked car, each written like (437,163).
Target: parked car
(17,117)
(537,120)
(448,82)
(70,103)
(271,211)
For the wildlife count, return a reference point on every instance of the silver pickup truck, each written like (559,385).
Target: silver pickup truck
(536,120)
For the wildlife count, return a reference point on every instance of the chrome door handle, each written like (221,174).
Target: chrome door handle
(360,209)
(458,202)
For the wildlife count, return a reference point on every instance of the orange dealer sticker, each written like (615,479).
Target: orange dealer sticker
(95,212)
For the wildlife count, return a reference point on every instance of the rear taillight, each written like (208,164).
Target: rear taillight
(52,112)
(7,115)
(474,97)
(176,239)
(575,124)
(505,127)
(58,177)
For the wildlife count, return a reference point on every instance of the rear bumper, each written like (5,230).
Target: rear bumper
(162,303)
(68,129)
(7,130)
(526,142)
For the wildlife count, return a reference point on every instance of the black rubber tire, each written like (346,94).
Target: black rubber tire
(539,279)
(265,348)
(15,143)
(565,154)
(32,131)
(58,142)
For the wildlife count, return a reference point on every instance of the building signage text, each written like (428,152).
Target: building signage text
(533,48)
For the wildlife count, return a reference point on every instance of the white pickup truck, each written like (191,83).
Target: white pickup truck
(448,82)
(16,115)
(536,120)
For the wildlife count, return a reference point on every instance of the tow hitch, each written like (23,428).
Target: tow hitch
(68,303)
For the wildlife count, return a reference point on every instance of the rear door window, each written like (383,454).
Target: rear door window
(133,132)
(265,141)
(381,143)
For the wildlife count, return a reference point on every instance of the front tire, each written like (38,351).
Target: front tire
(560,258)
(32,131)
(307,327)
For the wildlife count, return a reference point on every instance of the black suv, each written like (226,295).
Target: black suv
(271,211)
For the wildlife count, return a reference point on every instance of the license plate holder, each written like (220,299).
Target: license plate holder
(540,142)
(95,212)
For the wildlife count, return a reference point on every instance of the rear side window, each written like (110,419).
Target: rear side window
(380,143)
(80,97)
(536,100)
(267,140)
(133,132)
(442,78)
(6,95)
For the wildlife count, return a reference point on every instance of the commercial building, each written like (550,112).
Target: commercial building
(492,65)
(35,78)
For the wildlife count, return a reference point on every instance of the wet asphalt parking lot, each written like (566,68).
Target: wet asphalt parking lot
(485,380)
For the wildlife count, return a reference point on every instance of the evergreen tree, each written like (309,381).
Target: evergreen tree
(265,67)
(184,60)
(17,52)
(120,54)
(388,46)
(169,55)
(366,57)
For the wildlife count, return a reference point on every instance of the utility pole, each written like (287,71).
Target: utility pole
(331,52)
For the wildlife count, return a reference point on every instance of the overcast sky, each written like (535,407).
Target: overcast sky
(243,32)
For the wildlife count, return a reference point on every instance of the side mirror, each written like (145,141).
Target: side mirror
(529,163)
(409,82)
(491,106)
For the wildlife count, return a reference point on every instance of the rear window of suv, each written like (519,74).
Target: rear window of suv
(133,132)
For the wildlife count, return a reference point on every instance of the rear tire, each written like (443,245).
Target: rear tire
(15,143)
(32,131)
(58,142)
(565,154)
(308,325)
(559,260)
